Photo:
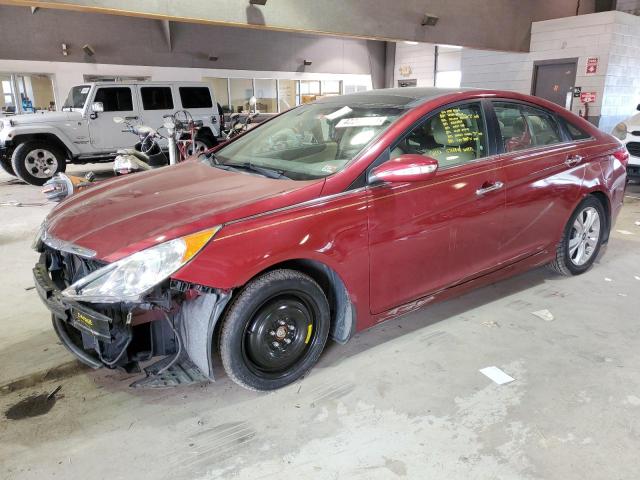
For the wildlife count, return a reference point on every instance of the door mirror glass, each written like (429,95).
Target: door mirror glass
(405,168)
(97,107)
(118,119)
(638,107)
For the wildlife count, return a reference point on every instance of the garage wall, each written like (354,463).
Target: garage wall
(419,61)
(574,37)
(66,74)
(622,81)
(137,41)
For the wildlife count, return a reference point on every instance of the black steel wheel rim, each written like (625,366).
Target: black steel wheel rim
(279,334)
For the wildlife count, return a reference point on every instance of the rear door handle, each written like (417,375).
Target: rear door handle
(490,188)
(573,160)
(135,117)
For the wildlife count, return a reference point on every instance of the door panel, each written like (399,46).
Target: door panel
(120,101)
(542,180)
(426,236)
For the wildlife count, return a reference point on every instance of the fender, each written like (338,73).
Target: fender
(36,130)
(328,231)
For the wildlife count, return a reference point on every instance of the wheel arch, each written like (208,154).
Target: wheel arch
(48,137)
(603,198)
(207,132)
(343,311)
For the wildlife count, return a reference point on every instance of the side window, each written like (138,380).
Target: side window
(523,127)
(115,99)
(156,98)
(452,136)
(195,97)
(575,133)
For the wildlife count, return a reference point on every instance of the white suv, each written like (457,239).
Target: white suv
(629,132)
(36,146)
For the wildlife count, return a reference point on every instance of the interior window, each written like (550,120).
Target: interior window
(116,99)
(575,133)
(195,97)
(523,127)
(156,98)
(452,136)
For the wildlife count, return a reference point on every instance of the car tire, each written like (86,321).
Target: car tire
(275,330)
(5,164)
(203,143)
(36,161)
(578,249)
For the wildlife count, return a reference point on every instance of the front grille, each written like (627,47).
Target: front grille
(67,268)
(634,148)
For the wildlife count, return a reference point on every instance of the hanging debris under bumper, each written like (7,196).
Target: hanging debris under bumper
(175,321)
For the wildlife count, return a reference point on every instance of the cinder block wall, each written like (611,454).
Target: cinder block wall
(613,37)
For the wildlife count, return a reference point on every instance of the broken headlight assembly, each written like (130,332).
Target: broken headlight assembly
(128,279)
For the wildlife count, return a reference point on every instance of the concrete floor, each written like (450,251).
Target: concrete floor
(404,399)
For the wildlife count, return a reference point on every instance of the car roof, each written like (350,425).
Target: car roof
(147,83)
(405,97)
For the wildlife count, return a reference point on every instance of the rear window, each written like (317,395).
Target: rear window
(195,97)
(156,98)
(576,133)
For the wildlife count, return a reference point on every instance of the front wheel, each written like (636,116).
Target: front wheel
(275,330)
(5,164)
(37,161)
(581,239)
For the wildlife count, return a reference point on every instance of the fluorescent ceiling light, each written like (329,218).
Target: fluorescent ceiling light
(410,43)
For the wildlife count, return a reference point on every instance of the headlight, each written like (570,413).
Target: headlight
(130,278)
(620,131)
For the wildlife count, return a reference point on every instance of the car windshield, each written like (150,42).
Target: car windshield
(311,141)
(76,98)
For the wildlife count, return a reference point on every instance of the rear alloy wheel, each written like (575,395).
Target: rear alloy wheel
(582,238)
(36,161)
(201,144)
(275,330)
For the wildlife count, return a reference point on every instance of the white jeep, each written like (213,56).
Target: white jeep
(36,146)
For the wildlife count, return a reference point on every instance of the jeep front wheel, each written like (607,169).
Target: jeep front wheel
(5,164)
(36,161)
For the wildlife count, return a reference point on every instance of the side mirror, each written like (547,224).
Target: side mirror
(97,107)
(405,168)
(118,120)
(638,107)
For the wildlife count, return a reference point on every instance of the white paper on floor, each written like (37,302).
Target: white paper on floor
(497,375)
(607,279)
(636,277)
(543,314)
(637,222)
(624,232)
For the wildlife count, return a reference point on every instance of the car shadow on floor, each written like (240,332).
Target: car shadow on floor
(433,314)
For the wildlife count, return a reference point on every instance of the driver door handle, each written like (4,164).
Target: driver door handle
(135,117)
(573,160)
(490,188)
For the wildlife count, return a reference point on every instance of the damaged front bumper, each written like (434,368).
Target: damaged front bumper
(175,321)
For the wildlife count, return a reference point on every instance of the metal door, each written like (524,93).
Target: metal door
(552,81)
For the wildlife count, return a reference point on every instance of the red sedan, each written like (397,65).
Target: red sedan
(321,222)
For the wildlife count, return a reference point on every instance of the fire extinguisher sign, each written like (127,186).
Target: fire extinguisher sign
(592,66)
(587,97)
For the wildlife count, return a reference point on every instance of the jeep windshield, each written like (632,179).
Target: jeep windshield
(309,142)
(77,97)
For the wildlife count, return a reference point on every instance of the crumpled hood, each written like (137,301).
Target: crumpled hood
(43,117)
(127,214)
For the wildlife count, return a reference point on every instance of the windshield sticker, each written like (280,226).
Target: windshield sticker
(85,90)
(338,113)
(329,169)
(361,122)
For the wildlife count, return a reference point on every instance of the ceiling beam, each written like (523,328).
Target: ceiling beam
(166,31)
(489,24)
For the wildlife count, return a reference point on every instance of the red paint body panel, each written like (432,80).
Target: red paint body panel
(395,247)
